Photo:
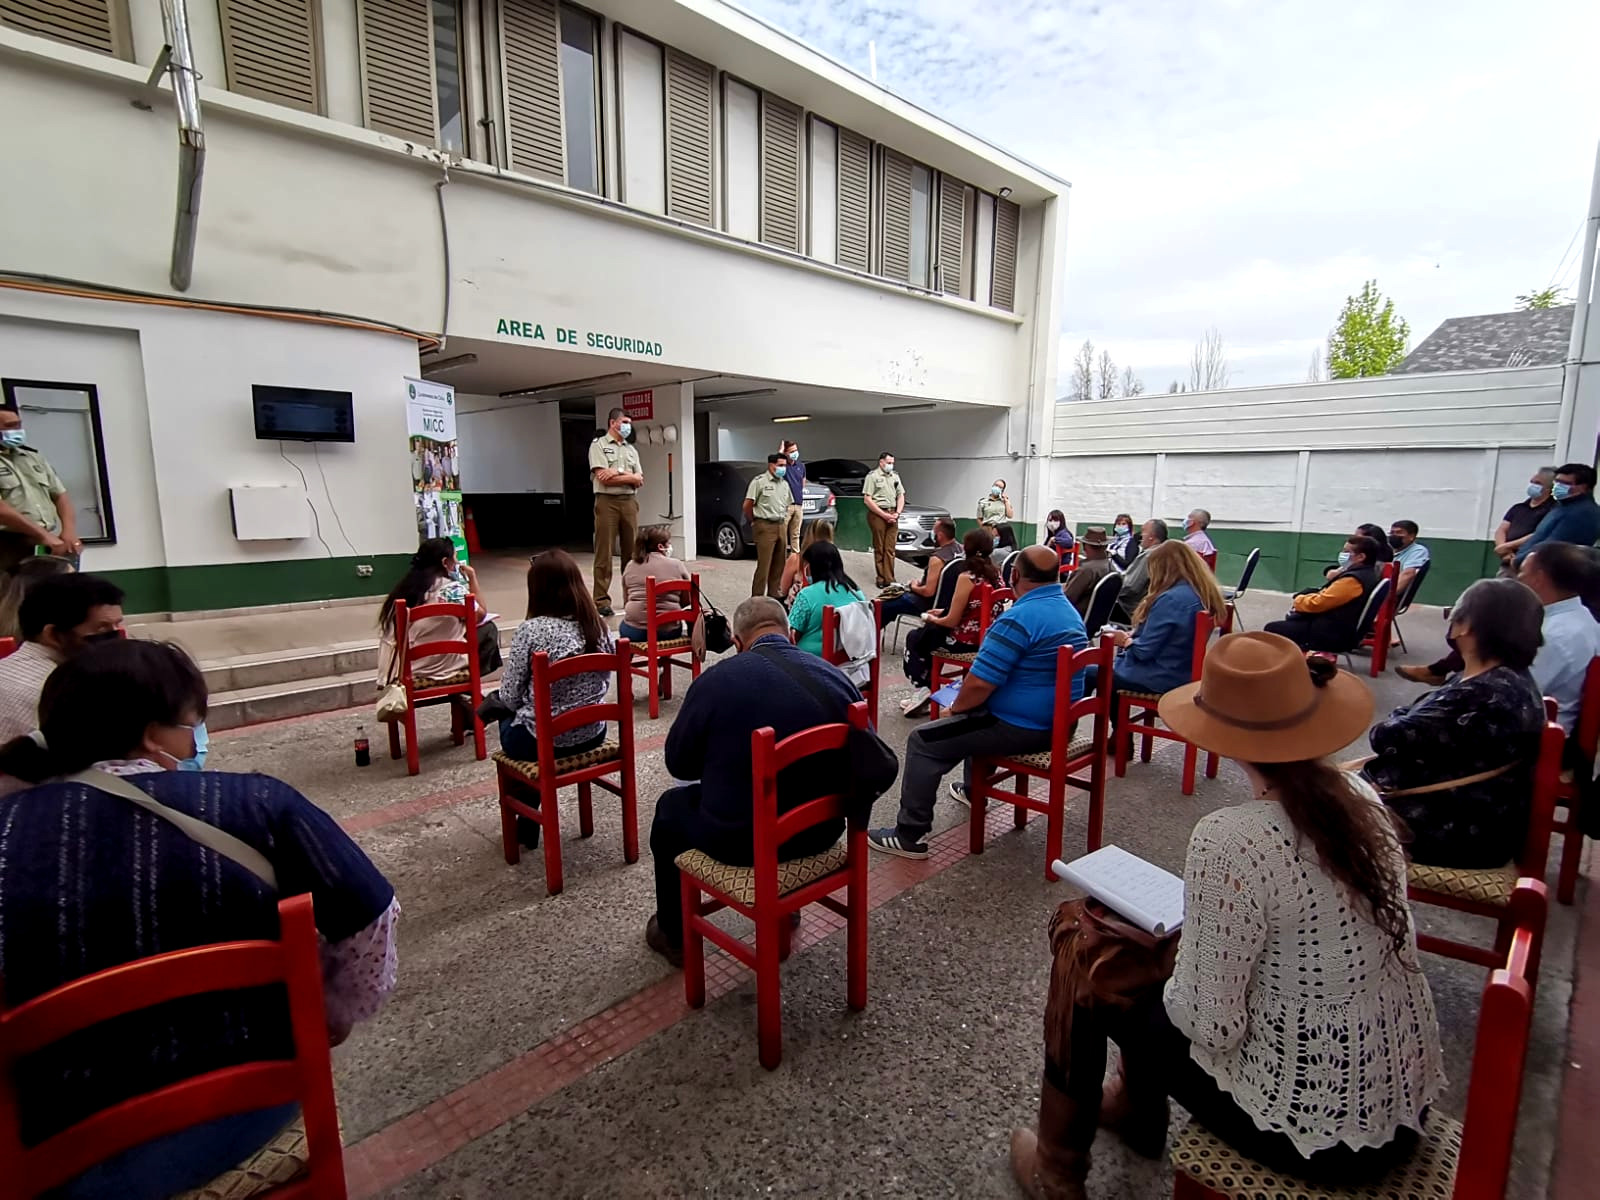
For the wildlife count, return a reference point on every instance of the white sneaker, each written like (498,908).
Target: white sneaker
(958,793)
(917,704)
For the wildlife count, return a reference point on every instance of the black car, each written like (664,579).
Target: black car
(719,489)
(914,539)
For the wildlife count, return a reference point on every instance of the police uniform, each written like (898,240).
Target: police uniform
(769,516)
(616,511)
(885,488)
(29,484)
(992,514)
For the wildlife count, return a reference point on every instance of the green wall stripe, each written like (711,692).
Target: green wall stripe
(244,585)
(852,533)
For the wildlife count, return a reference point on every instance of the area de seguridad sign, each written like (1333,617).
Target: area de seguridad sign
(578,339)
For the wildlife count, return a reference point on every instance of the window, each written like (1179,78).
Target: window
(579,87)
(824,191)
(100,25)
(742,154)
(983,249)
(447,74)
(921,222)
(642,122)
(63,424)
(968,214)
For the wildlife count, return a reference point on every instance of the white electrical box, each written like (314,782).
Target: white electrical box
(271,512)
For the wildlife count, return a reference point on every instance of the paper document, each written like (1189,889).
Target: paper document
(946,696)
(1140,891)
(488,616)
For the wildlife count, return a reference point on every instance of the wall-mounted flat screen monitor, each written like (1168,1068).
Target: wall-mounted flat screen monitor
(303,414)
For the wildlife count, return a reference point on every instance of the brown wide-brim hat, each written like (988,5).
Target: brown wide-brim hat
(1258,702)
(1095,535)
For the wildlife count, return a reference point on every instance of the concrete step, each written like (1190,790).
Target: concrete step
(248,671)
(274,701)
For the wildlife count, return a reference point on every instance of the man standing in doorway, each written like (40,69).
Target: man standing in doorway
(614,464)
(35,509)
(796,479)
(885,498)
(766,507)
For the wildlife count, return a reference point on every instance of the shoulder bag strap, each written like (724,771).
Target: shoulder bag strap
(1450,785)
(209,836)
(799,676)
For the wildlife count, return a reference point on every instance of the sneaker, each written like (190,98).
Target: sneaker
(606,610)
(917,704)
(958,793)
(657,941)
(889,841)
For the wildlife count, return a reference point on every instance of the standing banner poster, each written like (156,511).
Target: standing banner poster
(435,461)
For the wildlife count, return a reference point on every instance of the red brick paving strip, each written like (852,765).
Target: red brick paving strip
(417,1141)
(1577,1164)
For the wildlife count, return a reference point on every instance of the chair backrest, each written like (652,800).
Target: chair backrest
(1376,599)
(834,653)
(1204,624)
(1008,567)
(1210,560)
(405,615)
(1542,810)
(945,592)
(1070,663)
(306,1079)
(688,592)
(1102,600)
(1587,730)
(991,600)
(618,706)
(1403,603)
(1250,562)
(7,645)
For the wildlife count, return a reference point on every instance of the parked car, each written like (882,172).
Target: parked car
(719,489)
(914,539)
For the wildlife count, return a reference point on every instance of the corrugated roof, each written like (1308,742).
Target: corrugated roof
(1525,338)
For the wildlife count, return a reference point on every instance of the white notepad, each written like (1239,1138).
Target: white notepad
(1140,891)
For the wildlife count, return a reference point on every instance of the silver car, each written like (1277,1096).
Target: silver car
(913,541)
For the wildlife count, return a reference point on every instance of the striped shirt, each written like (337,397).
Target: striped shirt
(1018,656)
(22,676)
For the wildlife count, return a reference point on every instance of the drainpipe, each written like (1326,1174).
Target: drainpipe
(1580,322)
(191,141)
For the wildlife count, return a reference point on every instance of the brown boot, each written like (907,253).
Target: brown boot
(1421,675)
(1139,1120)
(1052,1163)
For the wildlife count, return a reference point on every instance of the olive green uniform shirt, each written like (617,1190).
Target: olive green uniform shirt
(772,497)
(606,452)
(884,487)
(992,511)
(30,485)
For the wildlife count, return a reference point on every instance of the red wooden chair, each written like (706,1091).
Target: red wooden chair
(1210,560)
(1068,757)
(1137,712)
(7,645)
(770,890)
(1383,624)
(463,691)
(832,653)
(1070,557)
(1512,896)
(1586,735)
(660,654)
(306,1079)
(532,789)
(951,665)
(1464,1160)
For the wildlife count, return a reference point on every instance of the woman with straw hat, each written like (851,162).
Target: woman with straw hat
(1296,1025)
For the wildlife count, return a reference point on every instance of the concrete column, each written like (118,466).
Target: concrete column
(683,463)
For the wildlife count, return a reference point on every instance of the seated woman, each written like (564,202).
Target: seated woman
(652,555)
(1056,534)
(91,881)
(1124,541)
(794,567)
(434,577)
(829,585)
(1296,1024)
(17,580)
(562,621)
(954,627)
(1481,728)
(995,514)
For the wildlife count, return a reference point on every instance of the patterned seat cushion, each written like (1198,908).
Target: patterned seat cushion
(681,643)
(740,882)
(1152,697)
(1429,1174)
(530,770)
(956,656)
(1486,885)
(1080,745)
(270,1167)
(442,681)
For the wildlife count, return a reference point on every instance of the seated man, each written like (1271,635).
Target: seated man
(1329,618)
(60,617)
(1410,555)
(1194,532)
(1005,705)
(1094,565)
(710,743)
(1136,579)
(918,597)
(1575,517)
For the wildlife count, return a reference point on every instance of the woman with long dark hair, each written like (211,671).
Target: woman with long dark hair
(830,584)
(1124,541)
(1296,1024)
(1056,534)
(435,577)
(957,624)
(92,880)
(562,622)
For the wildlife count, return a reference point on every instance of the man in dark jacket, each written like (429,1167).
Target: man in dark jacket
(710,743)
(1575,517)
(1329,618)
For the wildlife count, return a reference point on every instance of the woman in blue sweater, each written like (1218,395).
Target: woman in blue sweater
(1159,654)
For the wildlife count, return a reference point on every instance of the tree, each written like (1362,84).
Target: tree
(1368,339)
(1083,372)
(1208,365)
(1106,388)
(1132,385)
(1314,373)
(1550,297)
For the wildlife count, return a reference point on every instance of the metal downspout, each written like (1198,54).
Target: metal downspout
(191,141)
(1580,322)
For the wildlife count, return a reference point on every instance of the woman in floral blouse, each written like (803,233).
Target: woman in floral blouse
(1485,722)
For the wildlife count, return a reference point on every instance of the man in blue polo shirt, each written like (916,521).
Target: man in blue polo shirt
(1005,706)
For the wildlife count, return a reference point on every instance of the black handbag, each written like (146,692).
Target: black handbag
(719,638)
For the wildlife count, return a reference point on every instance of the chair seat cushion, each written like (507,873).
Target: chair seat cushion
(1151,697)
(459,677)
(956,656)
(1486,885)
(573,762)
(272,1166)
(1429,1174)
(679,643)
(740,882)
(1080,745)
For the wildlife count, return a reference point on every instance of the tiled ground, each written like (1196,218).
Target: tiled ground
(536,1048)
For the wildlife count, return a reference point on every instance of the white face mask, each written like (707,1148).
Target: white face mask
(1052,526)
(667,550)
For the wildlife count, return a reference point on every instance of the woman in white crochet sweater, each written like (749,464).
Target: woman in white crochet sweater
(1296,1025)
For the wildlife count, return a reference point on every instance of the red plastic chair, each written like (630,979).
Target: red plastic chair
(1512,896)
(532,789)
(7,645)
(671,652)
(832,653)
(1210,560)
(1569,792)
(951,665)
(1060,765)
(1070,558)
(306,1079)
(468,684)
(770,890)
(1378,640)
(1466,1160)
(1147,705)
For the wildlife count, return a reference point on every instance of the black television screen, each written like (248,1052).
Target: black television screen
(303,414)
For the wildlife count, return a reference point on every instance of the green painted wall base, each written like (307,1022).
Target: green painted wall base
(245,585)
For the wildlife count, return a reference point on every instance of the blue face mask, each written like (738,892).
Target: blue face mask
(12,437)
(794,456)
(995,492)
(1344,558)
(202,742)
(1535,491)
(625,431)
(780,472)
(1560,491)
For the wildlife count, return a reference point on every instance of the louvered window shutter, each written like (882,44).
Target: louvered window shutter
(689,83)
(952,233)
(1004,285)
(780,173)
(896,216)
(100,25)
(855,201)
(270,47)
(530,47)
(397,87)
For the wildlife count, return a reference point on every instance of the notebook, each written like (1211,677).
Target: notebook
(1140,891)
(946,696)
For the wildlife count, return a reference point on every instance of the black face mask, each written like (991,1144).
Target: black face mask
(105,635)
(1398,542)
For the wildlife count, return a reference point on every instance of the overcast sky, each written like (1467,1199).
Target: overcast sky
(1248,163)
